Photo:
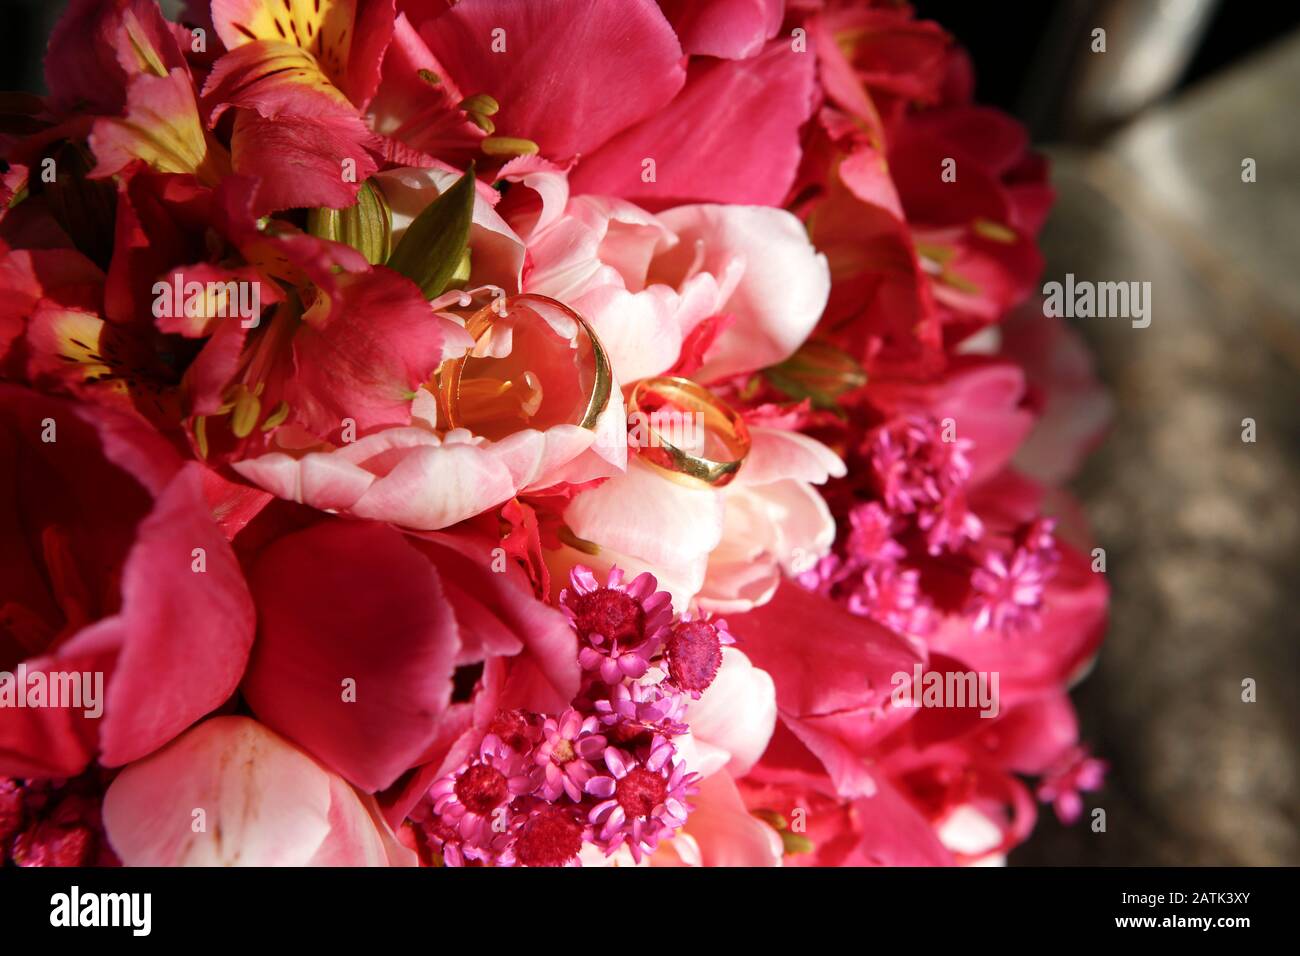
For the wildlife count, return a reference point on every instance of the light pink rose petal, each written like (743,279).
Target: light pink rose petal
(640,331)
(644,513)
(263,801)
(358,834)
(779,297)
(783,525)
(726,833)
(736,713)
(777,454)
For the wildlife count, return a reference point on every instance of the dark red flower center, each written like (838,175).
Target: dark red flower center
(481,789)
(640,792)
(512,727)
(551,838)
(612,613)
(628,736)
(694,655)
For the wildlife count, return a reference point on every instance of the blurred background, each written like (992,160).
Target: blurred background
(1201,530)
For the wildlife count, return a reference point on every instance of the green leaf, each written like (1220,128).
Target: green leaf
(366,226)
(434,245)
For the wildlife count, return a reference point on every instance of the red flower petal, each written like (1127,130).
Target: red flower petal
(344,601)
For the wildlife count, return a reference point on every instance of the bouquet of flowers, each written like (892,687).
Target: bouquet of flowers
(531,432)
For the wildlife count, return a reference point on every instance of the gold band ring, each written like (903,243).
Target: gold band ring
(687,432)
(505,384)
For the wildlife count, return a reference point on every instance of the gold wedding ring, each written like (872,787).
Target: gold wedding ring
(687,432)
(507,382)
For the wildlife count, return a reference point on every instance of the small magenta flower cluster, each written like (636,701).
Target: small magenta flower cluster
(607,771)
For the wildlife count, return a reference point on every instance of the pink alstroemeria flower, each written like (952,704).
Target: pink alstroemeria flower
(554,69)
(298,78)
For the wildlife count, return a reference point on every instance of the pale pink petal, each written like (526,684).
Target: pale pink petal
(777,454)
(228,793)
(736,713)
(781,294)
(724,830)
(358,835)
(644,513)
(640,331)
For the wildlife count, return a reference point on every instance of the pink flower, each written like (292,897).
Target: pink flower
(621,624)
(649,283)
(920,471)
(559,64)
(641,803)
(297,83)
(982,398)
(472,799)
(1008,588)
(693,652)
(633,712)
(1074,409)
(731,723)
(569,743)
(752,110)
(735,29)
(892,596)
(776,522)
(833,676)
(1071,622)
(870,539)
(721,831)
(419,473)
(551,837)
(262,803)
(1076,772)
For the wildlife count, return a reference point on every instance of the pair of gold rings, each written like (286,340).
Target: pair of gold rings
(537,363)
